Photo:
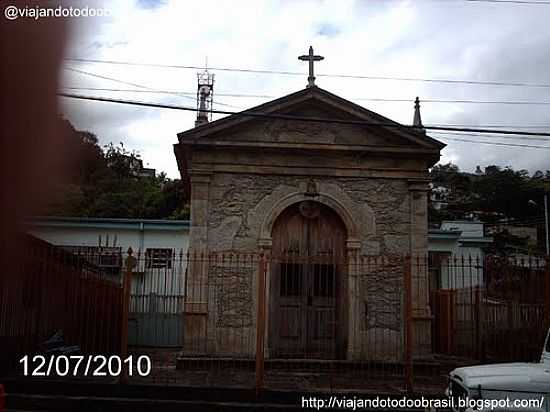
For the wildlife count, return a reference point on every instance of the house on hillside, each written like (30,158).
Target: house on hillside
(439,196)
(135,166)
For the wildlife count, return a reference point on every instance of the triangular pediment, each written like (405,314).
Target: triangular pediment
(311,116)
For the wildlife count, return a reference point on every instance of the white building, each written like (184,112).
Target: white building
(439,196)
(158,283)
(456,252)
(140,234)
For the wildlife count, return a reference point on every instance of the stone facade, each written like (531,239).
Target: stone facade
(239,205)
(244,173)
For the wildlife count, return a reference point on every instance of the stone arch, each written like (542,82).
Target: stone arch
(338,207)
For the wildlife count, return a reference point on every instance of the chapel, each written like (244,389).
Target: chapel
(319,187)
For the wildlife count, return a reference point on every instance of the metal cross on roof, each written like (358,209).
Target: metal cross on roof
(311,58)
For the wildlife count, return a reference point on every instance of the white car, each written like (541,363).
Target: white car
(503,387)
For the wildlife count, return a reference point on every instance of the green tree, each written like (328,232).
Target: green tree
(460,194)
(107,183)
(506,191)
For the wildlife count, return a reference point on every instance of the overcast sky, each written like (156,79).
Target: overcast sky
(433,39)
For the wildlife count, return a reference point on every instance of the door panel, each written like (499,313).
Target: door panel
(306,282)
(322,322)
(290,325)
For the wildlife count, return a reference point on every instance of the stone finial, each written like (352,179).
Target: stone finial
(417,120)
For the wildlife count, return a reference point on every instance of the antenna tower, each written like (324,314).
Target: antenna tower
(205,94)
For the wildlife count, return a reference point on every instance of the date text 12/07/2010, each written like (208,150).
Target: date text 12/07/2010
(80,365)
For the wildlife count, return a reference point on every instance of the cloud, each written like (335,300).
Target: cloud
(460,40)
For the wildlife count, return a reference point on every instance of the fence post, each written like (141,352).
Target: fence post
(407,279)
(478,319)
(260,324)
(126,288)
(2,398)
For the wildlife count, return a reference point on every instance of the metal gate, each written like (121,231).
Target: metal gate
(156,301)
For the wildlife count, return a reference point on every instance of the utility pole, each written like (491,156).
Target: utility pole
(546,223)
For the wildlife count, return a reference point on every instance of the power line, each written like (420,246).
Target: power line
(142,87)
(351,98)
(544,139)
(545,126)
(100,76)
(106,89)
(493,125)
(299,118)
(495,143)
(292,73)
(509,1)
(467,129)
(484,101)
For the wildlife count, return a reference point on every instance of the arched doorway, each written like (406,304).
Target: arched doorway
(307,283)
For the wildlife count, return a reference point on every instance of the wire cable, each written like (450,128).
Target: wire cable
(509,1)
(492,125)
(374,99)
(300,118)
(292,73)
(495,143)
(543,139)
(144,88)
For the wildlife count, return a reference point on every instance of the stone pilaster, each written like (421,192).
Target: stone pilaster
(354,337)
(200,187)
(197,291)
(418,195)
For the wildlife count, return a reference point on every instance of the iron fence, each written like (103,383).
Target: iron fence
(291,320)
(489,308)
(57,293)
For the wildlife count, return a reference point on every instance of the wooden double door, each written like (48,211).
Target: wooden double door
(307,287)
